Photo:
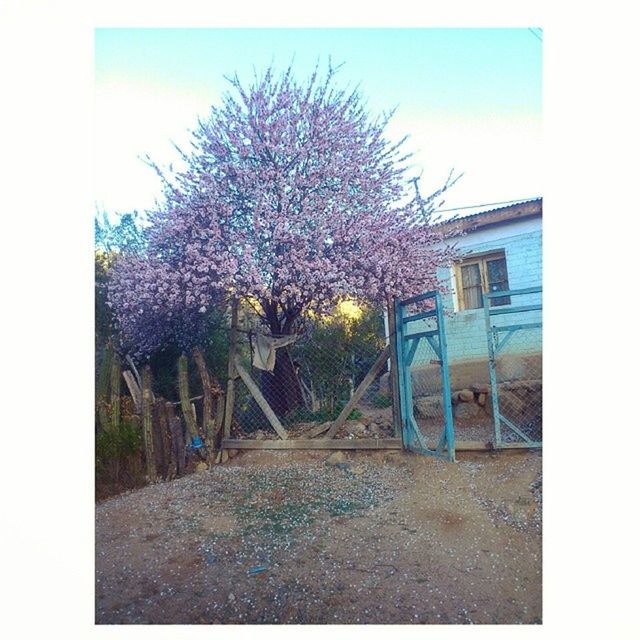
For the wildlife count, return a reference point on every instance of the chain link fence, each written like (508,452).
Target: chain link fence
(516,343)
(302,382)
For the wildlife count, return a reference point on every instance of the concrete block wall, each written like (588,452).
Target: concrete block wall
(466,331)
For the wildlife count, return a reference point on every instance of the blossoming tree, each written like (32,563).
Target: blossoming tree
(291,198)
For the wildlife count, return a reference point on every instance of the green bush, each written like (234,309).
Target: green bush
(119,459)
(118,444)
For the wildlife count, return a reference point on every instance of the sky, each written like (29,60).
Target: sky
(470,100)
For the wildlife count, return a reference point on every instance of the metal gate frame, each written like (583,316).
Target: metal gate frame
(406,347)
(495,344)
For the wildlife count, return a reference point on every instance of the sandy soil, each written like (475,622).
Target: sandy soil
(286,537)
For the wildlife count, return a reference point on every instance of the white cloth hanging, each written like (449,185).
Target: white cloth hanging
(264,350)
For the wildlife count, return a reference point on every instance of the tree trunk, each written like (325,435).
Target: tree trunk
(281,388)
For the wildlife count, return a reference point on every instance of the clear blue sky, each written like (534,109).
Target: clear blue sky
(470,99)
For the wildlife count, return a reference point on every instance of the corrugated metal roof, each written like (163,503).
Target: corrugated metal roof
(524,208)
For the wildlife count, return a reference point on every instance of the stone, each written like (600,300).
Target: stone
(336,458)
(466,395)
(202,466)
(356,428)
(429,406)
(482,399)
(466,410)
(480,388)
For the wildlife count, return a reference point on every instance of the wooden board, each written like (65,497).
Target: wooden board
(365,443)
(317,430)
(359,392)
(261,400)
(134,389)
(230,395)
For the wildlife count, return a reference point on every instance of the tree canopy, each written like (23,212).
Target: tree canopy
(292,198)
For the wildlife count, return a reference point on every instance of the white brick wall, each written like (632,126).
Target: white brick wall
(522,244)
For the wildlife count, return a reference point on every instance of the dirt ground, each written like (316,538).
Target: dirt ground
(282,537)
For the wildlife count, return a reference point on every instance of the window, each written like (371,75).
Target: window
(482,274)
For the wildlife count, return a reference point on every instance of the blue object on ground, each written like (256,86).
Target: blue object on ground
(257,570)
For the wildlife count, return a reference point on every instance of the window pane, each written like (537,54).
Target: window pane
(497,270)
(471,275)
(472,297)
(471,286)
(498,280)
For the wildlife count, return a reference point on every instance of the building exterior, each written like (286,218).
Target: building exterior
(501,249)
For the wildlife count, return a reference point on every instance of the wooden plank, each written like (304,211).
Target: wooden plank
(364,443)
(518,445)
(185,402)
(359,392)
(317,430)
(260,399)
(134,389)
(147,424)
(207,397)
(230,399)
(473,445)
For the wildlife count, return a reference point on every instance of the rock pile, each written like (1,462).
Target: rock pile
(521,399)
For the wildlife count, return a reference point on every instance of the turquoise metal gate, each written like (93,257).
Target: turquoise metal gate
(514,340)
(423,376)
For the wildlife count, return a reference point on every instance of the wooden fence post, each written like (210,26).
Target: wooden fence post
(134,390)
(212,393)
(147,423)
(178,451)
(160,434)
(185,402)
(207,399)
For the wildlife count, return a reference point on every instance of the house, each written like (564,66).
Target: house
(501,250)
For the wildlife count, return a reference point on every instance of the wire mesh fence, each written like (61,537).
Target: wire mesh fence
(517,364)
(298,385)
